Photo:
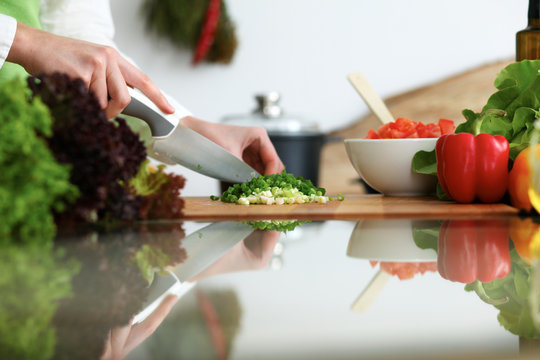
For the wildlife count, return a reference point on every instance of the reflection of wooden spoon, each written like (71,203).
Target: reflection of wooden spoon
(370,293)
(373,101)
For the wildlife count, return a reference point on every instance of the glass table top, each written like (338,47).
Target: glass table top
(370,288)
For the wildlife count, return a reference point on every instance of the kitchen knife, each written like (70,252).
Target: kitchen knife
(203,247)
(208,244)
(178,144)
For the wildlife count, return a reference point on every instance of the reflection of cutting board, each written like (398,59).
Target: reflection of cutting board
(353,207)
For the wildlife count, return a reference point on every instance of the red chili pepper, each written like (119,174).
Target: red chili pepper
(208,31)
(473,167)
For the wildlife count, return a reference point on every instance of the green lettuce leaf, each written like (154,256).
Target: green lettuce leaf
(510,112)
(425,162)
(147,182)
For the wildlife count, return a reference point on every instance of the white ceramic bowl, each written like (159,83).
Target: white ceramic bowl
(386,165)
(387,240)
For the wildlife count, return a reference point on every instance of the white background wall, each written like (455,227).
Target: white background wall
(305,48)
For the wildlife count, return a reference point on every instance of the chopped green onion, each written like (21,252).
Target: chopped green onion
(275,189)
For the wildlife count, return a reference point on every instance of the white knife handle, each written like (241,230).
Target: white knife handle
(161,124)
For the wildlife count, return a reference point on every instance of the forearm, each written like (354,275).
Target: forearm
(195,124)
(22,48)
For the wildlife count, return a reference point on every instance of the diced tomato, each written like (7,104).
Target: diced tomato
(405,270)
(372,134)
(404,128)
(421,130)
(433,130)
(384,131)
(447,126)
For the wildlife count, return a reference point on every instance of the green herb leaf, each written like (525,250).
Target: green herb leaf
(425,162)
(427,238)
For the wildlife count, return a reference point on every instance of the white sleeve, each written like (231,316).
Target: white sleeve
(89,21)
(79,19)
(8,27)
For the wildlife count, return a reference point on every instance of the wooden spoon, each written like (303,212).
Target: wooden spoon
(371,291)
(373,101)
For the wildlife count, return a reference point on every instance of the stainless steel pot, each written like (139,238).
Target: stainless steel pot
(298,142)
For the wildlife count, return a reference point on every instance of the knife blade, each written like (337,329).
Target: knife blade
(178,144)
(203,247)
(208,244)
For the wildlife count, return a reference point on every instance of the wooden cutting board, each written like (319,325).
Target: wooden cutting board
(353,207)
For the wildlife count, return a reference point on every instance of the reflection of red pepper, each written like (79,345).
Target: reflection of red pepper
(473,167)
(208,31)
(474,251)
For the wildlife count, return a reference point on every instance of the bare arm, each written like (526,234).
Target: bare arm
(250,144)
(101,68)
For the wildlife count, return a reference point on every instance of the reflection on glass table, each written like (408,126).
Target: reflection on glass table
(492,257)
(390,244)
(106,289)
(457,288)
(66,294)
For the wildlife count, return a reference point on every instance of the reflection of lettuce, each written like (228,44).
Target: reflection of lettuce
(161,248)
(110,287)
(107,292)
(427,238)
(514,315)
(276,225)
(31,283)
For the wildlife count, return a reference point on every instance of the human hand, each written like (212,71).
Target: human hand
(250,144)
(102,68)
(123,340)
(253,253)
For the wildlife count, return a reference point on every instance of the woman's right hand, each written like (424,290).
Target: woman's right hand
(102,68)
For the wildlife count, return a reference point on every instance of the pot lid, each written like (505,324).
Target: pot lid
(270,115)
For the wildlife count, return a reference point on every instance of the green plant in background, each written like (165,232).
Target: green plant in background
(185,24)
(33,185)
(32,281)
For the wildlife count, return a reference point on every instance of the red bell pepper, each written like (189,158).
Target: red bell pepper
(473,167)
(474,251)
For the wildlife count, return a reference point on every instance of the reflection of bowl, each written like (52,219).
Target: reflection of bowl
(386,165)
(387,240)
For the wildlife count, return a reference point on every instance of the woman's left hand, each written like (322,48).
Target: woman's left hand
(250,144)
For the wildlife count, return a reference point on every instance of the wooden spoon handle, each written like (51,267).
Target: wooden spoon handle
(370,293)
(373,101)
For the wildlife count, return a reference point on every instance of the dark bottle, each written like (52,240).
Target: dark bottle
(528,39)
